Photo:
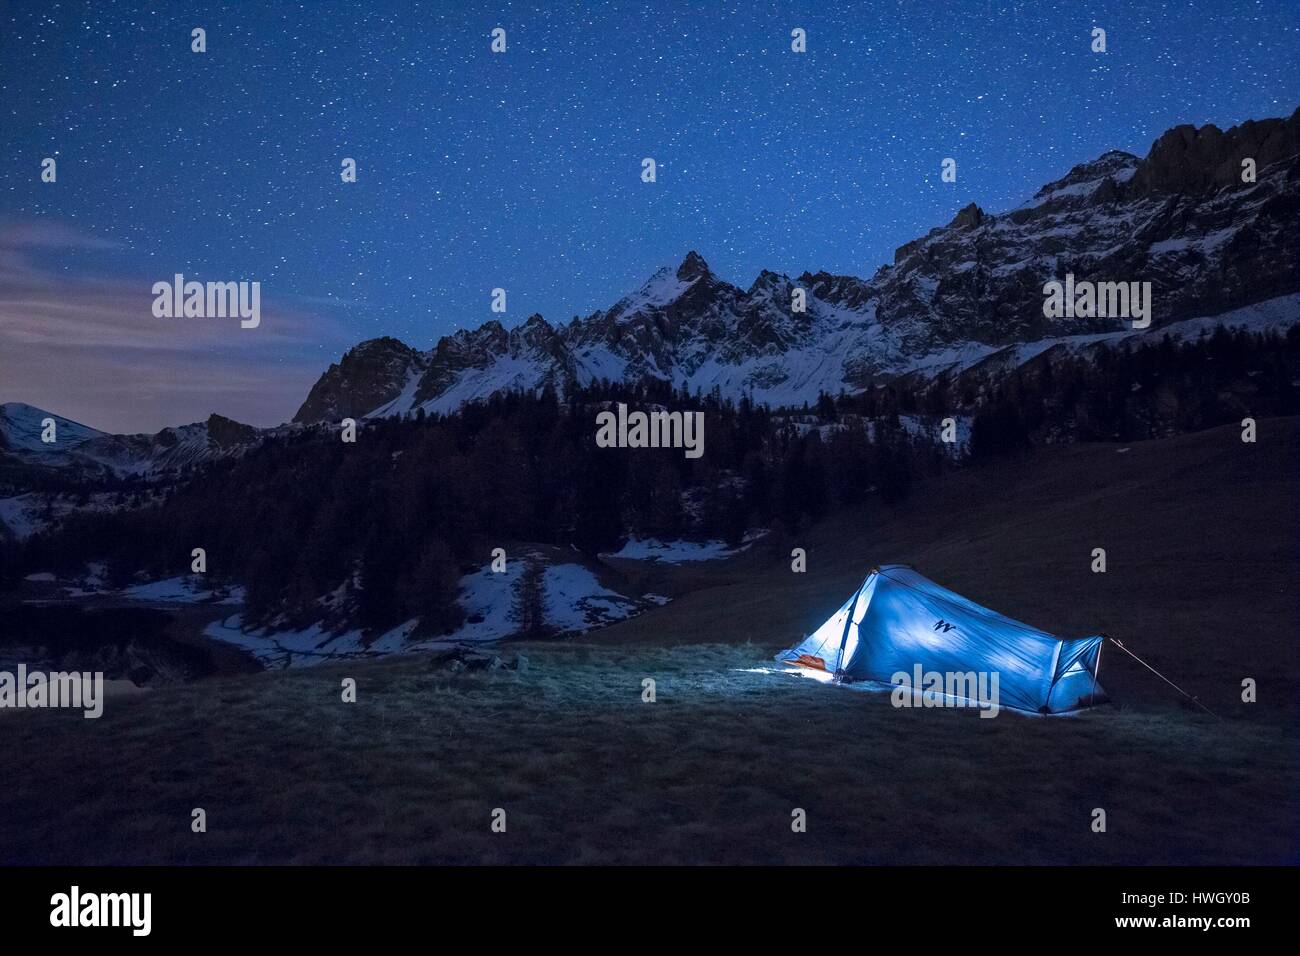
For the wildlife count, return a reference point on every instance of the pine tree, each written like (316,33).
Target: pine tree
(529,607)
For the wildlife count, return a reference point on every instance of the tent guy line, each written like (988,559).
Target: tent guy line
(1194,700)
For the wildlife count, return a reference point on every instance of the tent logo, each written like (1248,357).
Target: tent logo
(944,625)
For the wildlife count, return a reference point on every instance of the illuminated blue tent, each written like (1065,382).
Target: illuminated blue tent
(901,619)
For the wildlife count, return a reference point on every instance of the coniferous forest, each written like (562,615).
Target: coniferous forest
(404,512)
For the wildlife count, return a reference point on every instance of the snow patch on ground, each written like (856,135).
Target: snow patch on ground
(915,426)
(183,589)
(277,650)
(575,601)
(933,430)
(487,598)
(677,552)
(186,589)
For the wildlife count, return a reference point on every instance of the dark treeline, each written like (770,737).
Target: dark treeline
(413,503)
(1137,391)
(417,502)
(1146,387)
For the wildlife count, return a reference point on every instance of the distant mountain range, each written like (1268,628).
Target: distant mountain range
(965,302)
(87,451)
(1181,219)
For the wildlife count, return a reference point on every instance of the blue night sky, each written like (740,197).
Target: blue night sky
(522,170)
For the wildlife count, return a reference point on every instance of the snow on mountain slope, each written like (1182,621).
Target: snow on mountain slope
(502,373)
(1180,218)
(22,516)
(1277,314)
(21,428)
(373,375)
(404,401)
(662,288)
(92,452)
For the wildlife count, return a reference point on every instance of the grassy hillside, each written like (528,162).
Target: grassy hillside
(1202,539)
(1200,533)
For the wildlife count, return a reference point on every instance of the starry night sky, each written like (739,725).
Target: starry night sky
(522,170)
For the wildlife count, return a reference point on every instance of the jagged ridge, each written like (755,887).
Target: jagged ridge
(1181,218)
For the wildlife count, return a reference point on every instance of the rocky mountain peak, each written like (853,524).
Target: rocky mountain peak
(535,333)
(1083,180)
(226,432)
(692,267)
(368,376)
(969,216)
(1188,159)
(767,282)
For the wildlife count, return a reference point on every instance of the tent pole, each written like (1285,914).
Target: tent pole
(848,623)
(1096,669)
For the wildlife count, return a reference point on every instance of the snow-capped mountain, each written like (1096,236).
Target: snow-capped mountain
(88,451)
(1181,219)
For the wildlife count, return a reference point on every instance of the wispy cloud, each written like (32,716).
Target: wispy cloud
(90,347)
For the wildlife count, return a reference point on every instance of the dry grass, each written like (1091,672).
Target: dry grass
(587,772)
